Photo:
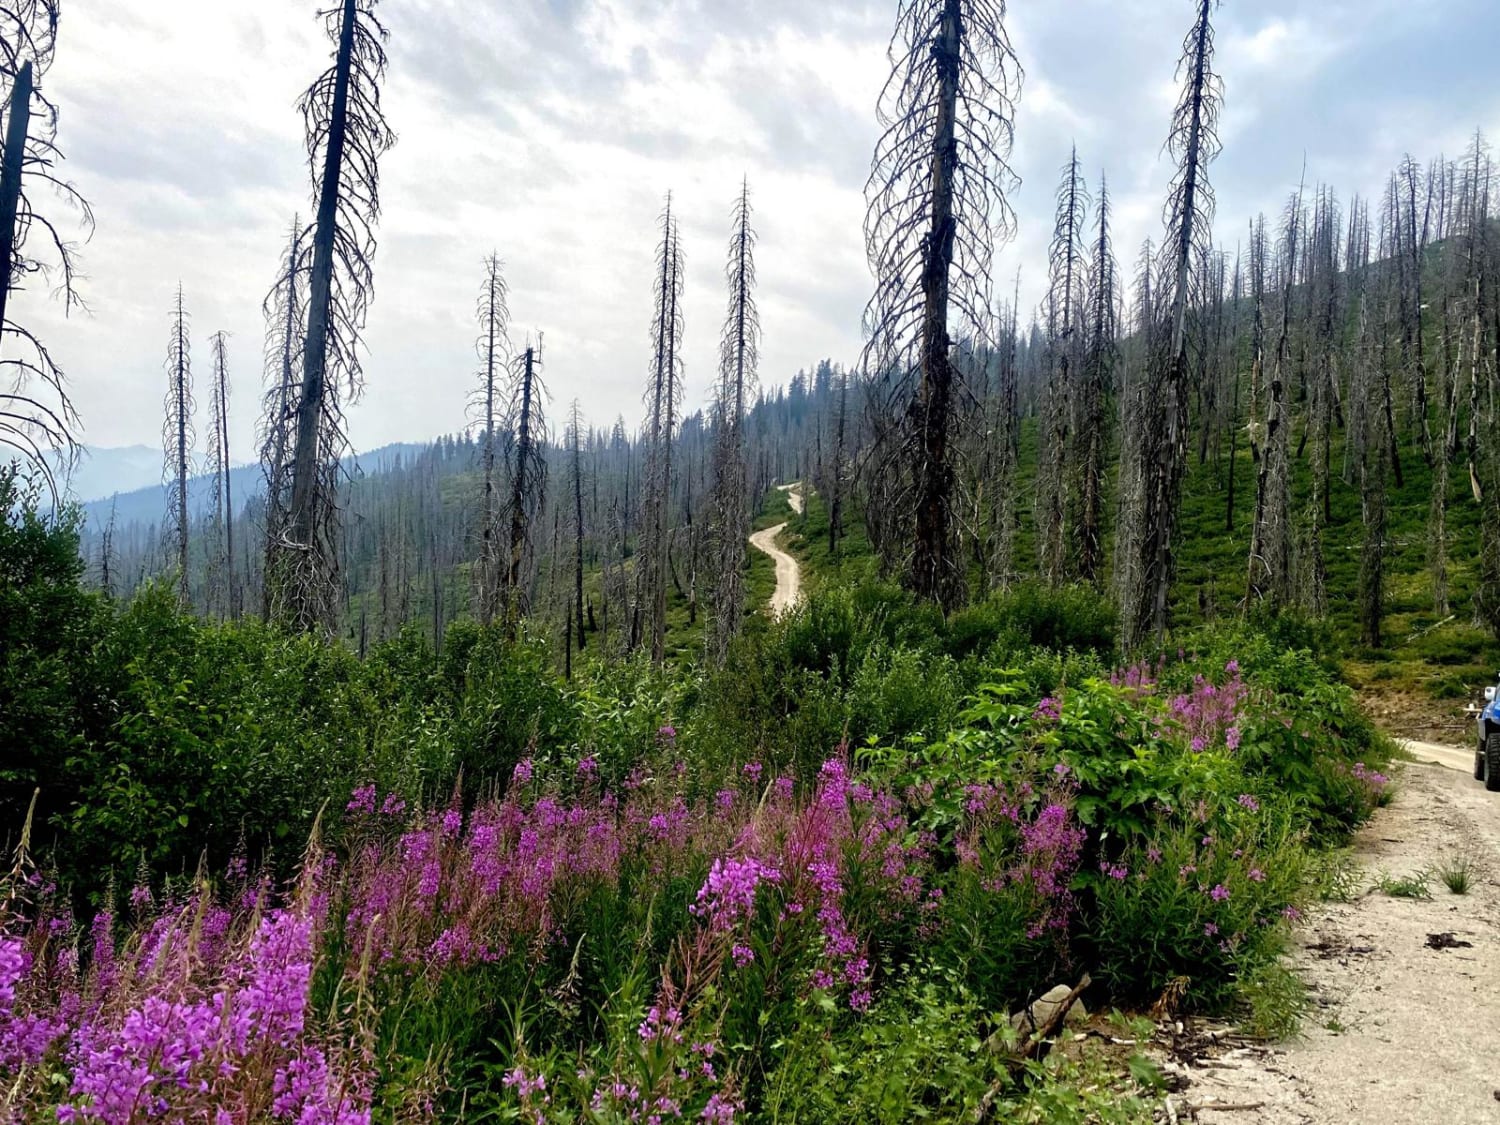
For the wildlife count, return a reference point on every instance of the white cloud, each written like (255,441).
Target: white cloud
(551,132)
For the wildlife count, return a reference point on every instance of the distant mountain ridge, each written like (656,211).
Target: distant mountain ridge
(120,483)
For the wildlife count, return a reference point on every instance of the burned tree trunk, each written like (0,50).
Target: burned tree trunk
(493,347)
(1065,303)
(1101,353)
(575,473)
(737,376)
(663,392)
(346,136)
(177,440)
(36,414)
(222,594)
(1194,142)
(528,475)
(936,201)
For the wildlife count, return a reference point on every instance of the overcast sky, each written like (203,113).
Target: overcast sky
(550,130)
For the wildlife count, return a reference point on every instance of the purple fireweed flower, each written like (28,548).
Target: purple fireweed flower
(523,772)
(1247,801)
(1219,893)
(719,1110)
(1047,710)
(393,806)
(1232,738)
(362,800)
(660,1025)
(728,896)
(1209,929)
(1256,875)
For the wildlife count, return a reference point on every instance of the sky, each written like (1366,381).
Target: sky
(550,132)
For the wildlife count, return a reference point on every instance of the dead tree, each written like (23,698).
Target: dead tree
(1101,351)
(493,348)
(1133,409)
(1065,301)
(221,596)
(1411,243)
(177,440)
(1193,142)
(526,420)
(737,378)
(574,439)
(346,136)
(936,202)
(1325,405)
(663,393)
(1004,448)
(837,470)
(1270,574)
(37,418)
(285,313)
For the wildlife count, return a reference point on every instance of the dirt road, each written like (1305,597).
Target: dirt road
(788,570)
(1451,756)
(1405,1019)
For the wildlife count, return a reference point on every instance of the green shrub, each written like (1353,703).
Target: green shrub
(1208,901)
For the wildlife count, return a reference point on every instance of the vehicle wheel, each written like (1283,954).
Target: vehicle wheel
(1492,762)
(1479,763)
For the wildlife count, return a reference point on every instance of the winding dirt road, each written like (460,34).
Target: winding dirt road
(1405,991)
(788,570)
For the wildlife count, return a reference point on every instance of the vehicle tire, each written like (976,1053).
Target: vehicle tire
(1479,763)
(1492,762)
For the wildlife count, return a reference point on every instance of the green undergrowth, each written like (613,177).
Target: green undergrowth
(966,811)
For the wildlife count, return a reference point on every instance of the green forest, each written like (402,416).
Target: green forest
(480,781)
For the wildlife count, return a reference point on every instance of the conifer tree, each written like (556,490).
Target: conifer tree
(526,420)
(738,347)
(493,348)
(177,440)
(222,595)
(936,202)
(663,393)
(346,136)
(1193,142)
(1101,351)
(1065,303)
(37,418)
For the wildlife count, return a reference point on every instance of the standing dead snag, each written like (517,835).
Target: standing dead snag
(528,474)
(36,414)
(1270,575)
(346,136)
(1064,303)
(1193,143)
(738,354)
(493,348)
(221,594)
(177,441)
(1099,356)
(663,392)
(936,202)
(574,439)
(285,312)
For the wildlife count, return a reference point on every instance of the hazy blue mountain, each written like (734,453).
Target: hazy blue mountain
(146,503)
